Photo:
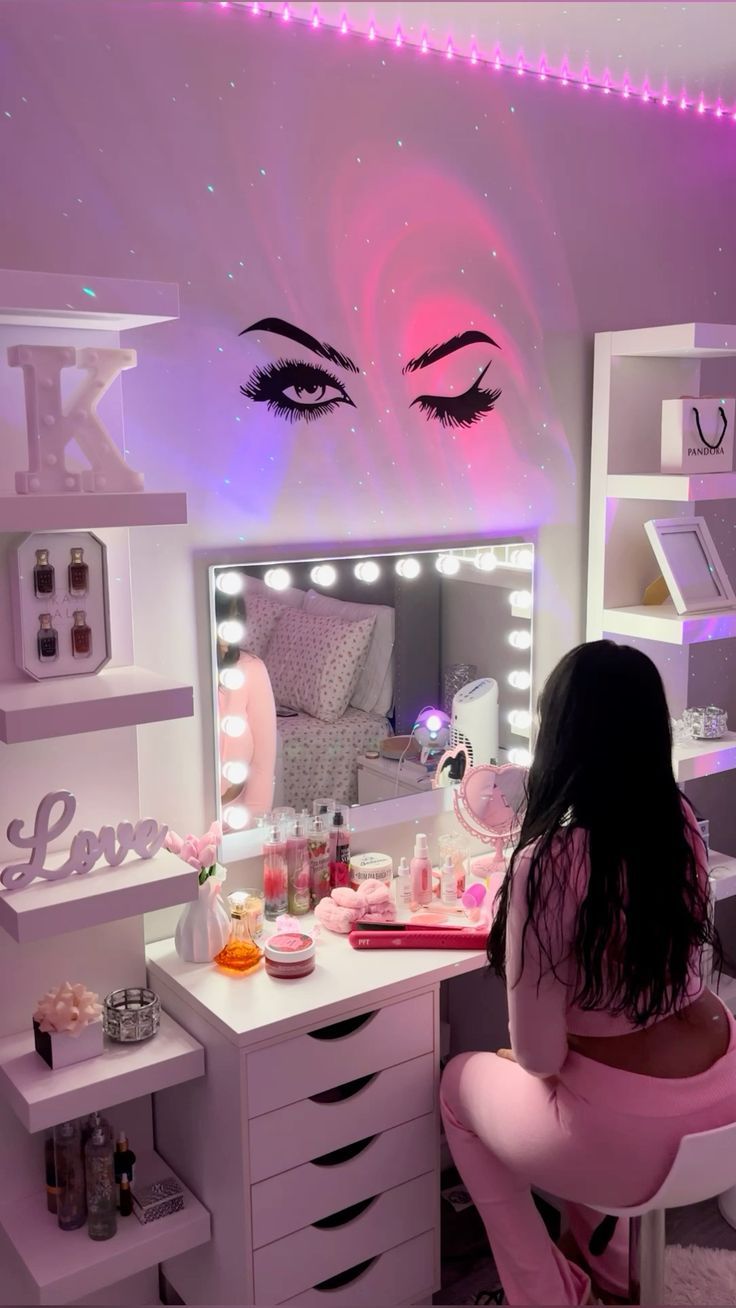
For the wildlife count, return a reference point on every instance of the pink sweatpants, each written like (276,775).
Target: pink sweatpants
(592,1135)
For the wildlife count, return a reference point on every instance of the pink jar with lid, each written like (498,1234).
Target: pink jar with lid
(290,954)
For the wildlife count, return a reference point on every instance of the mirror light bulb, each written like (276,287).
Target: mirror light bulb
(236,816)
(522,558)
(520,639)
(367,570)
(520,680)
(235,772)
(231,631)
(278,578)
(447,564)
(408,568)
(232,678)
(520,719)
(230,583)
(520,757)
(485,561)
(233,725)
(520,599)
(323,574)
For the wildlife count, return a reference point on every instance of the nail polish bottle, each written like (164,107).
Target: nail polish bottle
(78,574)
(47,640)
(43,576)
(81,636)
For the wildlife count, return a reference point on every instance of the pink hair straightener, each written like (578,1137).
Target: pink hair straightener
(410,935)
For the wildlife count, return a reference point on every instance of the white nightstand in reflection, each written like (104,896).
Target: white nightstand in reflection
(381,778)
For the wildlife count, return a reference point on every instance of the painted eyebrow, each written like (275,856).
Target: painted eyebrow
(448,347)
(292,333)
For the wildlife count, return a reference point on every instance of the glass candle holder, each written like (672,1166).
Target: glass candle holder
(710,723)
(131,1014)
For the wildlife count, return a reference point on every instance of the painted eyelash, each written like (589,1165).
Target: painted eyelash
(267,382)
(459,410)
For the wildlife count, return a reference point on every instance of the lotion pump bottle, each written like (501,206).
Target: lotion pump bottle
(421,872)
(448,883)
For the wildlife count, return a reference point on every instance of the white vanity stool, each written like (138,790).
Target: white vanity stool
(314,1136)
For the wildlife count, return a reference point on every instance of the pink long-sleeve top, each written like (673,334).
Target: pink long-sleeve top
(541,1008)
(256,746)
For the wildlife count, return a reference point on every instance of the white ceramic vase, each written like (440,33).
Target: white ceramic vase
(204,927)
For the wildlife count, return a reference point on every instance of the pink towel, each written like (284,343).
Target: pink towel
(372,902)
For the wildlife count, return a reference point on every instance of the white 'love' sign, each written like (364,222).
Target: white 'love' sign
(113,844)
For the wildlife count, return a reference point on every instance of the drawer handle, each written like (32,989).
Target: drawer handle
(343,1155)
(341,1029)
(346,1091)
(345,1278)
(345,1215)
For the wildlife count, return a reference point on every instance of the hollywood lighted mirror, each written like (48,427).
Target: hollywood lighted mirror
(342,680)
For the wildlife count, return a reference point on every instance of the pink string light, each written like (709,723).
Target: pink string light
(563,78)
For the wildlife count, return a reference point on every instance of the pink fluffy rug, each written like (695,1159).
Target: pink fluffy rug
(700,1276)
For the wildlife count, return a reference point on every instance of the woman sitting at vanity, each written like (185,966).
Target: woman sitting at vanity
(619,1049)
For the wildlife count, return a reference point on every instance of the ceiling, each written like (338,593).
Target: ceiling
(689,47)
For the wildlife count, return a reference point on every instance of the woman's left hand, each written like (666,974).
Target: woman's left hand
(506,1053)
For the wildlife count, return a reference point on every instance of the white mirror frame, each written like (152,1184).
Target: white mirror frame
(238,845)
(659,530)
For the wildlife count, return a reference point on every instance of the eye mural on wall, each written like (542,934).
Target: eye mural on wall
(301,391)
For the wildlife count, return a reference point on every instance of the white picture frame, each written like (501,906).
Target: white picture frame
(690,564)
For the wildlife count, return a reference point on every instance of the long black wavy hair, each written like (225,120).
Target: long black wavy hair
(603,763)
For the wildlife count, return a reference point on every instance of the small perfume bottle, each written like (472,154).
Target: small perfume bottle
(78,574)
(43,576)
(241,954)
(81,636)
(47,639)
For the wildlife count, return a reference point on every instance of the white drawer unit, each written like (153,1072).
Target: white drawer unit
(341,1051)
(316,1145)
(323,1250)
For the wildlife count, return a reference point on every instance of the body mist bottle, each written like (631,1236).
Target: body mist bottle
(44,584)
(319,862)
(100,1174)
(275,883)
(71,1202)
(297,863)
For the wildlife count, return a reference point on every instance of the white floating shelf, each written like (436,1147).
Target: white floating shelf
(42,1098)
(723,875)
(671,486)
(66,706)
(37,299)
(80,511)
(63,1266)
(688,340)
(661,622)
(704,758)
(106,894)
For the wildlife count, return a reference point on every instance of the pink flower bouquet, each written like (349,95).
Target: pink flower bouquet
(198,851)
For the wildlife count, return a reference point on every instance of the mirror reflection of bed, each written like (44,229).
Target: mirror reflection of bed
(344,680)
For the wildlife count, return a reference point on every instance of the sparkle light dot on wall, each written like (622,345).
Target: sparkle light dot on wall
(234,772)
(278,578)
(485,561)
(232,678)
(323,574)
(367,570)
(230,583)
(520,757)
(520,719)
(233,725)
(520,599)
(447,564)
(231,631)
(236,816)
(520,680)
(520,639)
(408,568)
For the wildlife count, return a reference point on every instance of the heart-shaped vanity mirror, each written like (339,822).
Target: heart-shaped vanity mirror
(489,803)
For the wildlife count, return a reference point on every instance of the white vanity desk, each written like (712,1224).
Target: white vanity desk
(265,1148)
